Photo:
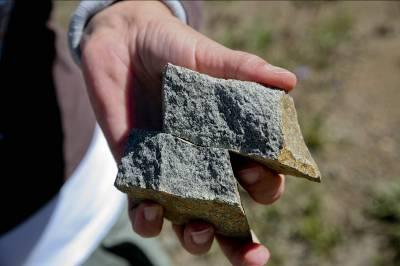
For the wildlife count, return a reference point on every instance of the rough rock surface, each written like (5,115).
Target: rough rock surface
(243,117)
(190,182)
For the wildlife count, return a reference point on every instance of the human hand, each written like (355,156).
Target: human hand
(124,50)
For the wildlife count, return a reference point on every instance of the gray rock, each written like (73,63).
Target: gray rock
(244,117)
(190,182)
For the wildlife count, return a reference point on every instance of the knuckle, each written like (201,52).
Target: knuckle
(246,62)
(251,59)
(146,231)
(92,43)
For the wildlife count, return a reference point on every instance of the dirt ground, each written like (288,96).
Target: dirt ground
(347,59)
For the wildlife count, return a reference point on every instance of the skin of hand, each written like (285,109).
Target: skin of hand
(124,50)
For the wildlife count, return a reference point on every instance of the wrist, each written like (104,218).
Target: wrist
(130,13)
(133,12)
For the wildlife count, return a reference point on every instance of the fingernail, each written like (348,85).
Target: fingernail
(202,237)
(151,213)
(249,176)
(276,69)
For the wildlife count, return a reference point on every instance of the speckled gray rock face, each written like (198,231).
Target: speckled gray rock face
(190,182)
(244,117)
(237,115)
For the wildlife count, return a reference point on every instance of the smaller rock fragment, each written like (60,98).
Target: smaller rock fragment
(190,182)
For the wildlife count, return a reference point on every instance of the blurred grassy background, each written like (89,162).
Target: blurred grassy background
(347,59)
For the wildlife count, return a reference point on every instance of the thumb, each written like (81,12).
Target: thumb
(221,62)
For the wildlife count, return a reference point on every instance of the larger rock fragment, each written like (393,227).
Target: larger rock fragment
(241,116)
(190,182)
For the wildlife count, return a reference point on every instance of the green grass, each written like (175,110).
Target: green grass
(314,231)
(319,45)
(252,39)
(327,37)
(313,131)
(384,209)
(385,205)
(331,32)
(301,218)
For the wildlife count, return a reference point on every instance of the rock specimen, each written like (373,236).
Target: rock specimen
(189,181)
(186,168)
(243,117)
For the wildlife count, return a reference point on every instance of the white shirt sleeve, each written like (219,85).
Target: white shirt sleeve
(88,8)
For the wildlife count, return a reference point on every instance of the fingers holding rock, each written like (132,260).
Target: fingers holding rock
(264,185)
